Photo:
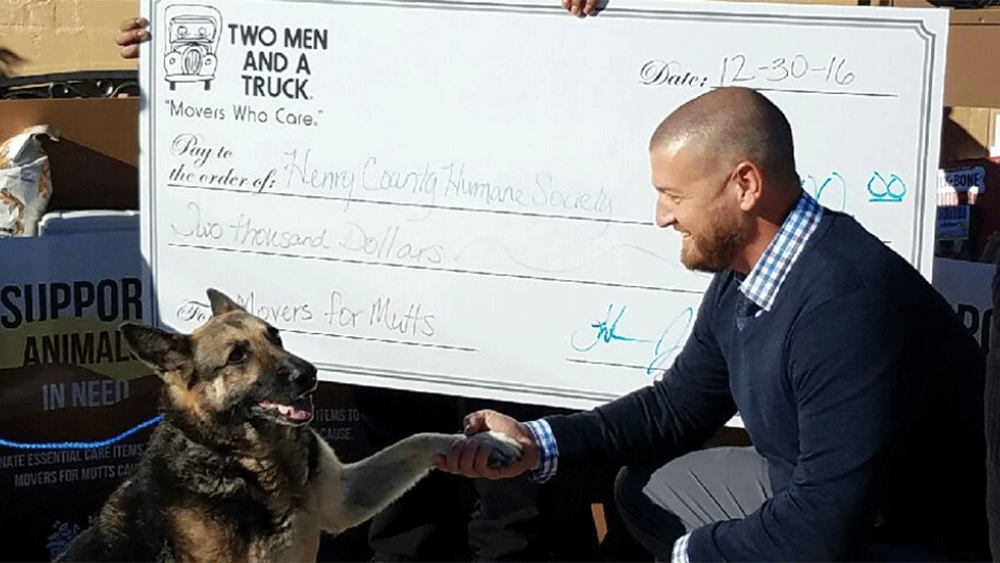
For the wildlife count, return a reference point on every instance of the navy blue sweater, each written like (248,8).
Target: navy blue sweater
(860,387)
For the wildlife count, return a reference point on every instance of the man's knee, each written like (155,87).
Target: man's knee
(632,501)
(710,485)
(653,527)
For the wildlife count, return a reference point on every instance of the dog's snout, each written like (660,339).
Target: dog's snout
(302,373)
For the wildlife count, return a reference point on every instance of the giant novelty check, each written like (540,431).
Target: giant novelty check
(454,197)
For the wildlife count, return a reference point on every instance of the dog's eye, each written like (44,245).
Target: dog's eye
(238,355)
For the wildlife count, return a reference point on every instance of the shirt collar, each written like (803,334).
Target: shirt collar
(764,280)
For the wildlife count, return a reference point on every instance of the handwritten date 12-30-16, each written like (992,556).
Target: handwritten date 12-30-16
(741,69)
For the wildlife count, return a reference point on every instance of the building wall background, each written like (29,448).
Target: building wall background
(51,36)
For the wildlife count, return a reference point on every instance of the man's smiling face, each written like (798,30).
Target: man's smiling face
(695,198)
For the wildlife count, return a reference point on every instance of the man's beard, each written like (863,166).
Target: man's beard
(715,250)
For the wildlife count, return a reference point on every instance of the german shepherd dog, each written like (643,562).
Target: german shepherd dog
(233,472)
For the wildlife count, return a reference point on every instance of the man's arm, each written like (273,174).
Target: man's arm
(656,423)
(843,362)
(673,415)
(649,425)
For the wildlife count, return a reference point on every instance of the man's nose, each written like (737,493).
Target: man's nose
(664,212)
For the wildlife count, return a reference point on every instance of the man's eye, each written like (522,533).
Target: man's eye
(674,198)
(238,355)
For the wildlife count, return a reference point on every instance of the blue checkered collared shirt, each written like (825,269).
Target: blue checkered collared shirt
(760,286)
(548,450)
(764,280)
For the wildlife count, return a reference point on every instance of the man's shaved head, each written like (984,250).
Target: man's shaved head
(729,125)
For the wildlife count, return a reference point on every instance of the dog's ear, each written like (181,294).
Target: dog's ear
(165,352)
(221,303)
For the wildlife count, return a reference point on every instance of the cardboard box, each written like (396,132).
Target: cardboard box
(94,163)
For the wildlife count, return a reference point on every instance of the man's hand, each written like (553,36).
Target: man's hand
(579,7)
(132,32)
(469,457)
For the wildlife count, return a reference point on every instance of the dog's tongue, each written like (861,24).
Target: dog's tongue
(301,409)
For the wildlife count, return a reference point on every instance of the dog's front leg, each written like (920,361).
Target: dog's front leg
(373,483)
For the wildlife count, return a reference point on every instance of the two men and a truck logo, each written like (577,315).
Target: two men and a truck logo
(193,38)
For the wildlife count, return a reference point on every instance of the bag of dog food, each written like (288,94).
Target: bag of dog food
(25,182)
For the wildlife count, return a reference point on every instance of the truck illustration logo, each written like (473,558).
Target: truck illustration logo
(193,35)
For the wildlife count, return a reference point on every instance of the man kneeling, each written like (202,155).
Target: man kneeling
(859,387)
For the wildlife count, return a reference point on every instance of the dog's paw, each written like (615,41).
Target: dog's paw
(505,449)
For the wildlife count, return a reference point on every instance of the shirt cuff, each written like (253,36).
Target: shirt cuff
(548,451)
(680,554)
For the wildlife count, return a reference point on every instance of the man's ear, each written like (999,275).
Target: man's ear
(749,180)
(169,355)
(221,304)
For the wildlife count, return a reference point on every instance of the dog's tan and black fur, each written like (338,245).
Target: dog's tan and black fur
(233,472)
